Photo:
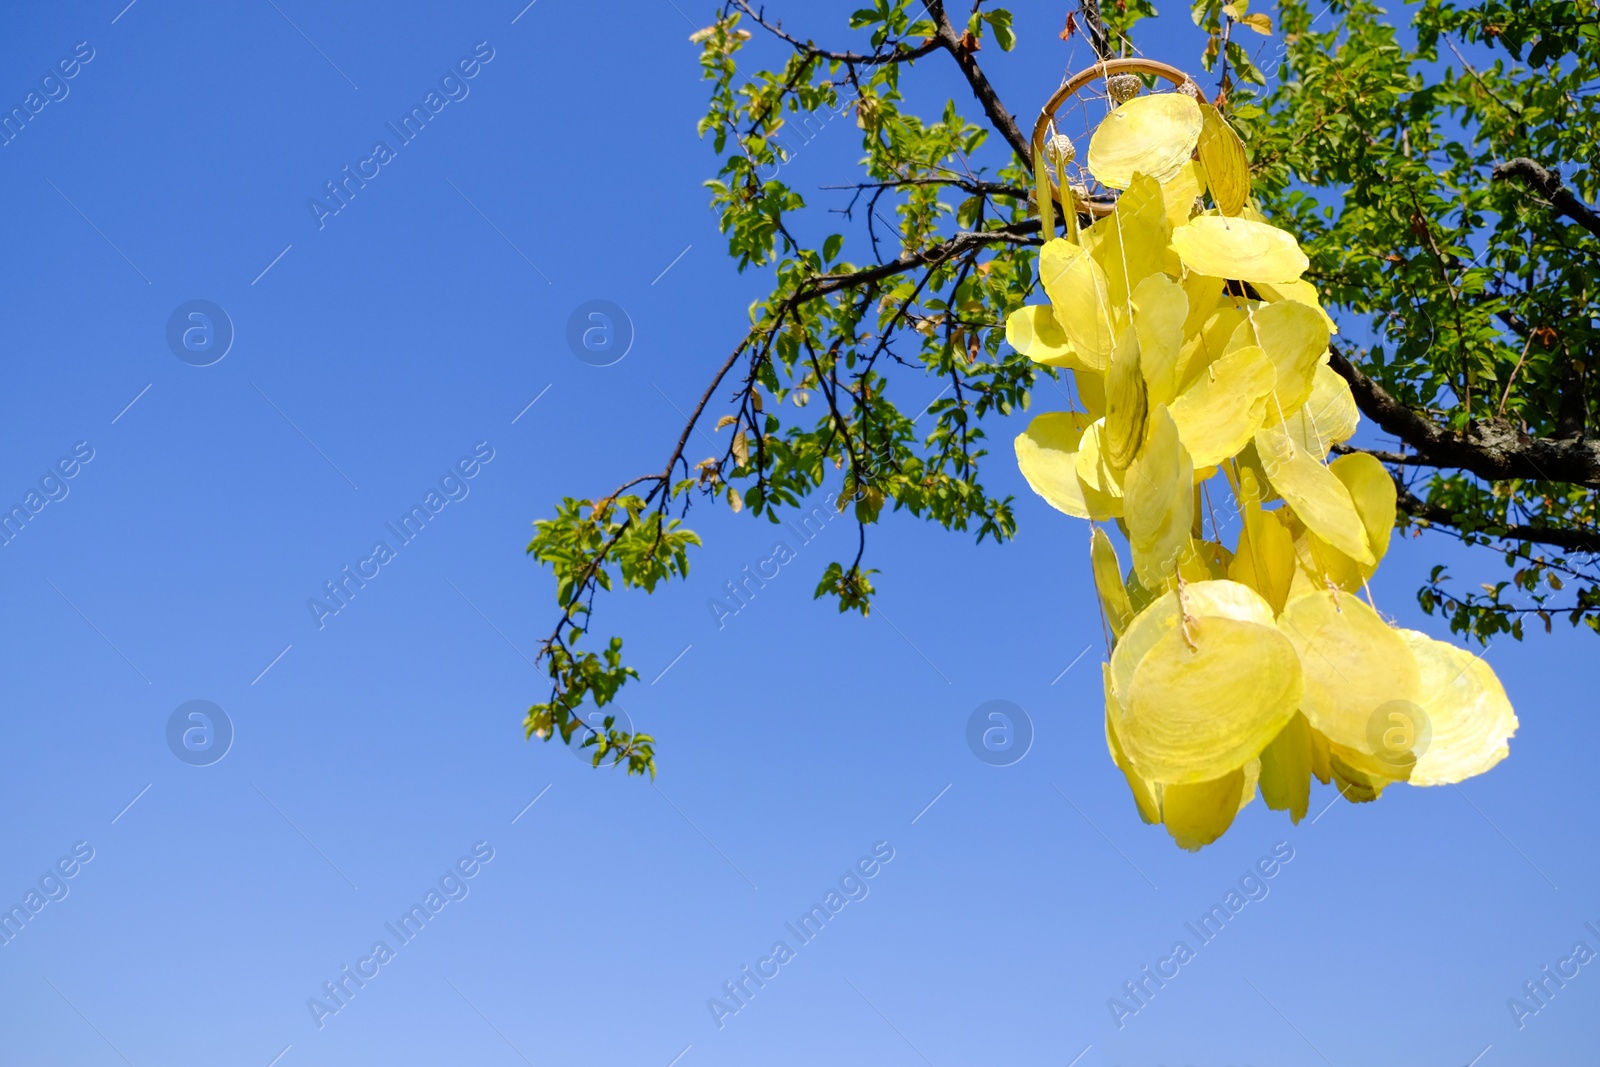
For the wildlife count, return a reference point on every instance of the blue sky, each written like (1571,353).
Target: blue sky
(411,331)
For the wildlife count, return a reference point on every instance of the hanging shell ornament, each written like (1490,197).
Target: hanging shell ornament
(1201,356)
(1123,87)
(1060,151)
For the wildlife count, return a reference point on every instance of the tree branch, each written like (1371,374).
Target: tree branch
(1402,459)
(899,55)
(807,291)
(976,188)
(1095,26)
(952,42)
(942,252)
(1548,185)
(1491,448)
(1570,539)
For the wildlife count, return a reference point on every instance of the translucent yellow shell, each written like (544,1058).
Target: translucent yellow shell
(1240,249)
(1158,500)
(1153,135)
(1222,410)
(1081,297)
(1048,457)
(1470,717)
(1034,331)
(1227,167)
(1207,698)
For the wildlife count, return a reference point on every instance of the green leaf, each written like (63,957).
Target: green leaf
(1240,61)
(1000,21)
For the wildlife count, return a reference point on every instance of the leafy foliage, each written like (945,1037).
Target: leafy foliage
(1465,295)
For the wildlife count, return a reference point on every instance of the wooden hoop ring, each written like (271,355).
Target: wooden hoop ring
(1104,69)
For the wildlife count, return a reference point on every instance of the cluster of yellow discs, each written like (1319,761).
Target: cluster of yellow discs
(1201,357)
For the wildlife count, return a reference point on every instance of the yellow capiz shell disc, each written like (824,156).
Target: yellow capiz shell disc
(1467,708)
(1034,332)
(1158,500)
(1219,598)
(1047,454)
(1240,249)
(1080,296)
(1154,135)
(1221,411)
(1207,698)
(1196,815)
(1318,497)
(1108,582)
(1227,166)
(1329,415)
(1353,661)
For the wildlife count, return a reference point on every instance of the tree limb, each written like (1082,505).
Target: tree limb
(976,188)
(860,59)
(1548,185)
(1402,459)
(1570,539)
(1491,448)
(952,42)
(1095,26)
(807,291)
(942,252)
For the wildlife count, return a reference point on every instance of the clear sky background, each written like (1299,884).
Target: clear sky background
(374,354)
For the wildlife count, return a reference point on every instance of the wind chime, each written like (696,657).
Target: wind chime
(1199,353)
